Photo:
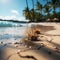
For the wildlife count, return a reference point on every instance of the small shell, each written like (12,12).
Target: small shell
(30,47)
(18,51)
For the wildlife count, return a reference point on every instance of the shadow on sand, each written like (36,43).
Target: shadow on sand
(43,28)
(47,52)
(42,50)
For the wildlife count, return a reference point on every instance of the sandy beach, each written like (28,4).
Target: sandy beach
(46,49)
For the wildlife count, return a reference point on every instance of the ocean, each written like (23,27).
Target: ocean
(10,31)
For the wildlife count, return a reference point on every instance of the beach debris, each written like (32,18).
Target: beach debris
(33,34)
(27,56)
(57,49)
(37,31)
(39,48)
(16,45)
(18,51)
(42,45)
(34,38)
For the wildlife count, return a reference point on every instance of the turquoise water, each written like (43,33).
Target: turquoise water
(11,24)
(10,31)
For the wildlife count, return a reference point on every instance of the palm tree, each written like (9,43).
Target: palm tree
(46,1)
(26,13)
(32,14)
(47,9)
(39,7)
(54,5)
(27,8)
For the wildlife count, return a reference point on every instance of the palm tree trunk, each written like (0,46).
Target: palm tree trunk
(27,3)
(33,3)
(40,12)
(54,10)
(28,9)
(33,8)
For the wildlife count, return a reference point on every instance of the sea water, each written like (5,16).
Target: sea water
(10,31)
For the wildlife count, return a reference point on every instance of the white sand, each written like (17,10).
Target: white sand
(48,52)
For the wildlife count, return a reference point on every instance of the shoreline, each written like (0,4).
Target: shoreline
(46,49)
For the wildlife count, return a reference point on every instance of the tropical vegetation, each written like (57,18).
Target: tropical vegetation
(43,12)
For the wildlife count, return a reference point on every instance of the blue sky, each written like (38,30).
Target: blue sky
(13,9)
